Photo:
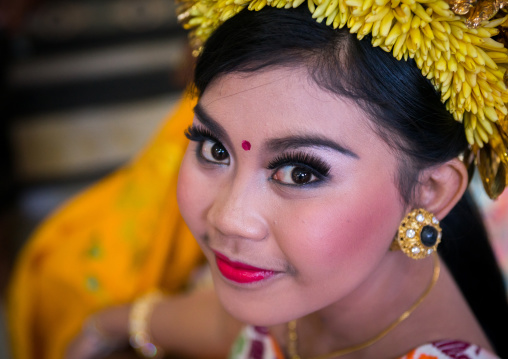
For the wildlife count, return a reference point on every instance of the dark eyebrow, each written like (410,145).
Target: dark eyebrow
(284,143)
(210,123)
(276,144)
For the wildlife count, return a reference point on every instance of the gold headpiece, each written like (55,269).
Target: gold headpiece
(451,42)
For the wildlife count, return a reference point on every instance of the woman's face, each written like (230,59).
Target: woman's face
(289,192)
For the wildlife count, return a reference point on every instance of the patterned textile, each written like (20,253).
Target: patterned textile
(256,343)
(449,349)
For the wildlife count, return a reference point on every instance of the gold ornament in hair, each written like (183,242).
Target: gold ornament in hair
(452,42)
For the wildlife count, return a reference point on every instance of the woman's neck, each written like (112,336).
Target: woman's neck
(370,309)
(380,300)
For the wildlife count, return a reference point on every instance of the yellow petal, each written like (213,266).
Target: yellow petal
(471,50)
(490,113)
(492,44)
(488,61)
(386,24)
(427,31)
(452,64)
(471,78)
(419,11)
(441,64)
(395,32)
(379,15)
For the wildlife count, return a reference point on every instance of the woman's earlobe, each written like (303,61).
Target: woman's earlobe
(442,187)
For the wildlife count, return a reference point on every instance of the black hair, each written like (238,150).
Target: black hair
(403,106)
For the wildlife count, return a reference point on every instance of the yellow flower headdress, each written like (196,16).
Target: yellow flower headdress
(452,42)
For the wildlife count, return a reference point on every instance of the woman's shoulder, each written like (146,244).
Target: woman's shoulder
(449,349)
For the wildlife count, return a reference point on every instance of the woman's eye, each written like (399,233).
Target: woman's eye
(213,151)
(294,175)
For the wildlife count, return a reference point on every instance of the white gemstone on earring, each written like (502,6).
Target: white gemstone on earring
(415,250)
(429,251)
(420,217)
(435,220)
(410,233)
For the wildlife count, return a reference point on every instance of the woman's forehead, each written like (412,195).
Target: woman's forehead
(267,105)
(277,93)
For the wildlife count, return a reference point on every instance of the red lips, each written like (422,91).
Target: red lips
(240,272)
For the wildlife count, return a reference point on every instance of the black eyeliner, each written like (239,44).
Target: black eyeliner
(317,165)
(199,134)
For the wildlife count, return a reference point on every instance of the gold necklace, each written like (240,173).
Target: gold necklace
(293,336)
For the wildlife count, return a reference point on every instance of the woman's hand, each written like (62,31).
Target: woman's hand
(192,325)
(102,334)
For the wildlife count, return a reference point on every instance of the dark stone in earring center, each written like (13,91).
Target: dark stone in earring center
(428,236)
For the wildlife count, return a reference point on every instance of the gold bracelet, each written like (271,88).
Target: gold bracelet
(139,320)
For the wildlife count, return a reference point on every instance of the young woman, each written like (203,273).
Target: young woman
(319,169)
(343,141)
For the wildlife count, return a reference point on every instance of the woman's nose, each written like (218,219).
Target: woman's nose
(237,211)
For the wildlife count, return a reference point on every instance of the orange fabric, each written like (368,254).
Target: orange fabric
(411,355)
(117,240)
(278,351)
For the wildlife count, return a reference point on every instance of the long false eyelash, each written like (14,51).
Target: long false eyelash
(303,159)
(198,134)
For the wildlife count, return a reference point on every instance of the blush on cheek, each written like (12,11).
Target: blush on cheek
(182,193)
(376,230)
(340,236)
(187,189)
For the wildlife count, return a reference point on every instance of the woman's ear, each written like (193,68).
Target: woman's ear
(442,186)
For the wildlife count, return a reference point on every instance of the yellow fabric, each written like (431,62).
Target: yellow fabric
(117,240)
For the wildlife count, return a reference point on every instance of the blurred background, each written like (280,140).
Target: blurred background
(83,86)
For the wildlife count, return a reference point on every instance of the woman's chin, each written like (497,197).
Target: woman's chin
(262,313)
(255,318)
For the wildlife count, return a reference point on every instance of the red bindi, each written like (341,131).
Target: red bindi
(246,145)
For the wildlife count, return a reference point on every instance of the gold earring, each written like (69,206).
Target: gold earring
(419,234)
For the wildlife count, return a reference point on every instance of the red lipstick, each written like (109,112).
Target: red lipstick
(240,272)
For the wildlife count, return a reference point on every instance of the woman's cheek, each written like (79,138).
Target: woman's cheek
(336,233)
(313,234)
(189,194)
